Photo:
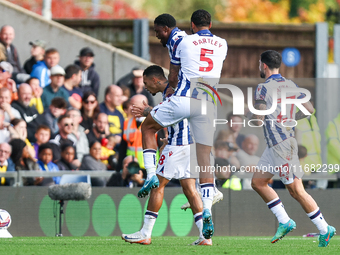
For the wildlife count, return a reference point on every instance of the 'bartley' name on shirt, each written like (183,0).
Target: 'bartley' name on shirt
(207,40)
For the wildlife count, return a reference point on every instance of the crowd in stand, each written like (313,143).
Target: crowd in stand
(51,120)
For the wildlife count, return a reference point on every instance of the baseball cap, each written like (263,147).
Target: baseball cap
(86,51)
(6,67)
(57,70)
(138,73)
(40,43)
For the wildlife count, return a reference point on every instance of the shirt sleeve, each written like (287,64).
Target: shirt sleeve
(260,93)
(175,54)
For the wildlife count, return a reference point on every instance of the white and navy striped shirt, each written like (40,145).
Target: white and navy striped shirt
(274,131)
(175,36)
(200,55)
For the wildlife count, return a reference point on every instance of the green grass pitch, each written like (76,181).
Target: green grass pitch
(164,245)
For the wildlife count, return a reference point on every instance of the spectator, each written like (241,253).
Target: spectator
(100,128)
(247,157)
(72,79)
(45,156)
(5,104)
(36,96)
(5,134)
(6,70)
(23,161)
(78,134)
(90,108)
(6,164)
(54,89)
(65,125)
(92,162)
(2,53)
(132,135)
(53,112)
(42,135)
(108,145)
(125,98)
(20,127)
(132,175)
(6,38)
(137,86)
(67,157)
(27,113)
(41,70)
(90,80)
(234,126)
(113,95)
(37,54)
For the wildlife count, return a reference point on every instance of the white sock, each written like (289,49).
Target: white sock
(149,222)
(150,162)
(207,191)
(319,221)
(279,211)
(199,223)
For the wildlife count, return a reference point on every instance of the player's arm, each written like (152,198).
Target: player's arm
(141,111)
(259,105)
(300,115)
(173,75)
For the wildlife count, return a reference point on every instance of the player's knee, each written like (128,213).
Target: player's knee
(296,193)
(255,184)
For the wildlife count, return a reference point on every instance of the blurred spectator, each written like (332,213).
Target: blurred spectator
(65,125)
(78,134)
(45,156)
(6,164)
(36,95)
(92,162)
(23,161)
(108,145)
(5,134)
(90,108)
(235,124)
(89,79)
(72,80)
(41,69)
(302,154)
(132,175)
(100,128)
(131,144)
(126,106)
(5,104)
(6,70)
(55,88)
(2,53)
(137,86)
(42,135)
(28,113)
(20,126)
(37,54)
(67,157)
(126,97)
(53,112)
(247,157)
(113,98)
(6,38)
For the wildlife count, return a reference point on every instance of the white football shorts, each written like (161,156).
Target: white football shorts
(177,108)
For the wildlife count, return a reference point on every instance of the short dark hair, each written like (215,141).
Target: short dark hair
(201,18)
(154,70)
(302,151)
(64,146)
(42,127)
(51,51)
(165,19)
(271,58)
(59,102)
(70,70)
(62,117)
(107,90)
(30,79)
(16,121)
(44,146)
(231,114)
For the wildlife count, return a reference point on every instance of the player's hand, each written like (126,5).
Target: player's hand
(169,91)
(165,143)
(141,111)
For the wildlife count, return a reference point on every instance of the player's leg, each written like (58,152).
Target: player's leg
(154,204)
(312,210)
(259,183)
(149,129)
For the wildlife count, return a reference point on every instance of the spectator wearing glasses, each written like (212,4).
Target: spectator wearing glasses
(90,80)
(6,70)
(37,54)
(6,164)
(89,109)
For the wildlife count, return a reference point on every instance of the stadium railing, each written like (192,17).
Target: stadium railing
(18,175)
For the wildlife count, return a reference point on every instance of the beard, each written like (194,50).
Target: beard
(262,75)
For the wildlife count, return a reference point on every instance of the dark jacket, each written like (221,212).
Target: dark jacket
(13,59)
(10,168)
(32,118)
(30,165)
(90,79)
(28,66)
(90,163)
